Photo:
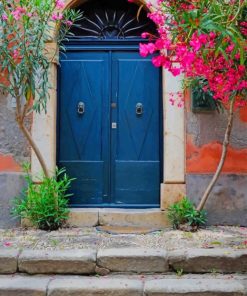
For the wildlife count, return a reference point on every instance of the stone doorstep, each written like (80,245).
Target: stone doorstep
(124,260)
(152,218)
(121,286)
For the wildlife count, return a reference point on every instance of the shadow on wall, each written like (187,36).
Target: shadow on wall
(227,204)
(11,185)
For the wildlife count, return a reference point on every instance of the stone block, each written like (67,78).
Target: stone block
(95,287)
(152,218)
(206,260)
(171,193)
(195,287)
(60,262)
(83,217)
(8,261)
(23,286)
(133,260)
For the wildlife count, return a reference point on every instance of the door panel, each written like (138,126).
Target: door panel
(81,149)
(136,147)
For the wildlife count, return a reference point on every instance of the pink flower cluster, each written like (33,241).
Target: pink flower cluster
(196,55)
(20,11)
(57,16)
(60,4)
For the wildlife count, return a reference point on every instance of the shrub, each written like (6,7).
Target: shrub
(183,215)
(44,203)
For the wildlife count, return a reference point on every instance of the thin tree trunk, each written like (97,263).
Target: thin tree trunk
(34,147)
(222,159)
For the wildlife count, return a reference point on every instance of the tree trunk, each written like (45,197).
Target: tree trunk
(33,146)
(222,159)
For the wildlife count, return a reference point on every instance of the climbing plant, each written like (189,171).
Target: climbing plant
(205,40)
(26,28)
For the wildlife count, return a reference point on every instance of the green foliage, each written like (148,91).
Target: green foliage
(24,57)
(44,203)
(184,212)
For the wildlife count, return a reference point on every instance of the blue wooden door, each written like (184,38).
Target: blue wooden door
(109,128)
(136,147)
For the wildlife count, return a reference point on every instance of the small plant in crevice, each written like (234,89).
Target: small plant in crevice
(44,203)
(184,216)
(179,272)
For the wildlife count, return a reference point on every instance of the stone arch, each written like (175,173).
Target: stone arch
(173,185)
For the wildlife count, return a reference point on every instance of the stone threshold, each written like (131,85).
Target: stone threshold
(122,260)
(91,217)
(151,218)
(122,286)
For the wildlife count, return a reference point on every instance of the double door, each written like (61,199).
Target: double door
(109,128)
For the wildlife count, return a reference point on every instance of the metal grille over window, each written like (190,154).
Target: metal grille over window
(111,19)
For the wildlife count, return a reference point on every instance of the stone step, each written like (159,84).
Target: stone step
(150,218)
(125,260)
(127,285)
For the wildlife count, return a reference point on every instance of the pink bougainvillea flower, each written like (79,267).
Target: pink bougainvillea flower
(143,50)
(60,4)
(223,72)
(145,35)
(151,47)
(196,44)
(175,71)
(158,61)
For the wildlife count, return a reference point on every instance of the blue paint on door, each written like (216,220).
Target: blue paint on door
(109,128)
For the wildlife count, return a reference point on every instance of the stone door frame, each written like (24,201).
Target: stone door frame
(173,185)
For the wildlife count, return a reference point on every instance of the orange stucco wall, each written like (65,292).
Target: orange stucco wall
(243,114)
(8,164)
(205,159)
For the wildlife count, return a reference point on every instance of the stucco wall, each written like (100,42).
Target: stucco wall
(11,185)
(205,132)
(13,151)
(13,147)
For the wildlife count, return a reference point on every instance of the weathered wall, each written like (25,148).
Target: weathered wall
(13,151)
(11,185)
(13,147)
(205,133)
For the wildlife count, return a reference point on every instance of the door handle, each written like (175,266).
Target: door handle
(81,108)
(139,109)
